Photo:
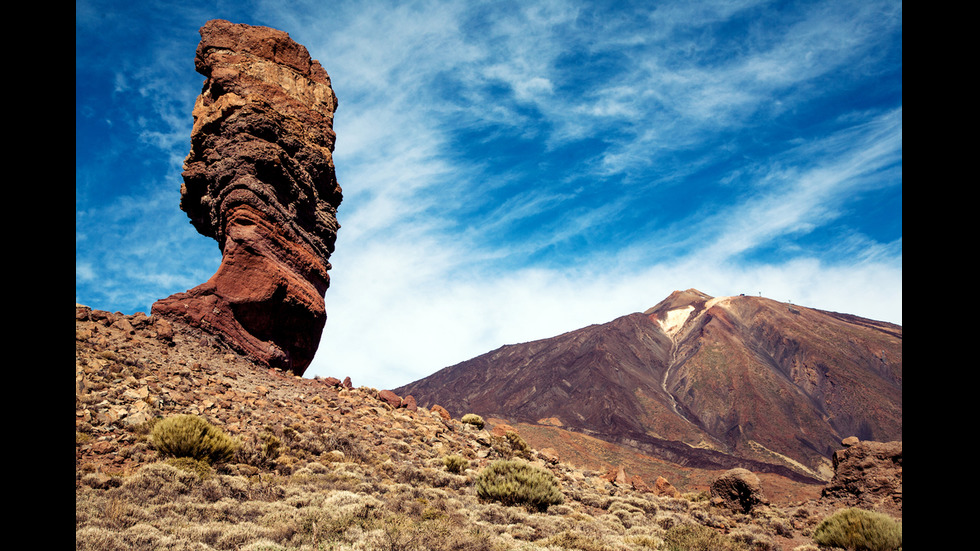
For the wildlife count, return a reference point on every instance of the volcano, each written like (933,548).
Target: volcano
(700,381)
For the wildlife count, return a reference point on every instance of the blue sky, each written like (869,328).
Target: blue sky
(515,170)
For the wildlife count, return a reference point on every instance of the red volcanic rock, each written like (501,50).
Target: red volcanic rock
(738,489)
(502,429)
(617,476)
(868,474)
(640,485)
(260,180)
(664,488)
(409,403)
(390,398)
(442,412)
(549,455)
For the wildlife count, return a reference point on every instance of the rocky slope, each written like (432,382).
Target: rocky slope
(700,381)
(260,180)
(352,471)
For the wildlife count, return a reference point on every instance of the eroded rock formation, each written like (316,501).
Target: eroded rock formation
(738,489)
(869,475)
(260,180)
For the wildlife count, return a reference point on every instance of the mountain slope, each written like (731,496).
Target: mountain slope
(700,381)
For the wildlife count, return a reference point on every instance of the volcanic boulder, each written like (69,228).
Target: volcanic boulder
(260,180)
(738,489)
(868,475)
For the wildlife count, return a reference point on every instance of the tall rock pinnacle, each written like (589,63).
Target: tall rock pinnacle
(260,180)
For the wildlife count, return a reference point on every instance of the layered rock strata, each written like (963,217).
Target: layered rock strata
(260,180)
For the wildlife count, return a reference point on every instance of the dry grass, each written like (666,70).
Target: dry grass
(351,505)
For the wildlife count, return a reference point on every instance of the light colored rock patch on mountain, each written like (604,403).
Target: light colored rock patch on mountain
(721,301)
(675,320)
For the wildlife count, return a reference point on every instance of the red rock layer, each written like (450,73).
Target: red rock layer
(260,180)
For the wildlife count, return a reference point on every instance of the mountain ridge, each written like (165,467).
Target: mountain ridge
(704,381)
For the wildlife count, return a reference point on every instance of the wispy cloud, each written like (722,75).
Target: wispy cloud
(516,169)
(824,175)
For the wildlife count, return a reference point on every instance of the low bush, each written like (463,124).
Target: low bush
(259,450)
(859,530)
(517,445)
(473,419)
(695,537)
(518,483)
(574,540)
(191,436)
(455,463)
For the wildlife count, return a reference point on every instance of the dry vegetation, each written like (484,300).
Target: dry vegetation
(319,468)
(376,504)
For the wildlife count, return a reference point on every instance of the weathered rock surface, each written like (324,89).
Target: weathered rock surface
(441,411)
(868,474)
(390,398)
(738,489)
(260,180)
(664,488)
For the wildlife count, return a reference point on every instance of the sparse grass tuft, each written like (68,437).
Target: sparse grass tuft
(517,445)
(859,530)
(695,537)
(260,450)
(200,467)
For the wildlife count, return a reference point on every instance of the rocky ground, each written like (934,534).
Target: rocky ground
(341,443)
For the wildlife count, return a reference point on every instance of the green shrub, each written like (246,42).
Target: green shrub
(455,463)
(473,419)
(519,483)
(859,530)
(192,436)
(517,445)
(510,446)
